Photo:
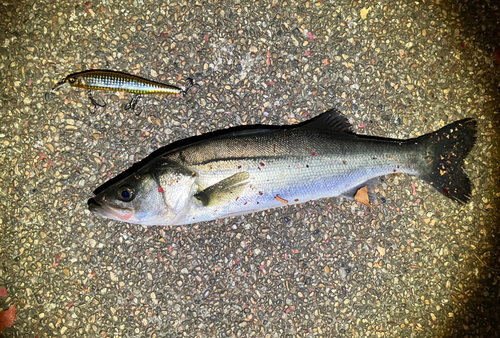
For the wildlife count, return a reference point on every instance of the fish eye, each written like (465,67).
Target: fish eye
(72,80)
(126,193)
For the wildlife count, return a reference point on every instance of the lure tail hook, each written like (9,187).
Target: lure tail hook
(189,86)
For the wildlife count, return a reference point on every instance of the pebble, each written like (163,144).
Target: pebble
(113,276)
(343,274)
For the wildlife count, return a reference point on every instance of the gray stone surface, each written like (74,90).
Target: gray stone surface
(417,265)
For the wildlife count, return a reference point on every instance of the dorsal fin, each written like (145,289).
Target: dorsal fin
(331,120)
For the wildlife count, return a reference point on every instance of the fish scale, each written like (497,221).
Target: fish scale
(296,178)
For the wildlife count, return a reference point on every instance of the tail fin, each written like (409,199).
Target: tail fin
(446,150)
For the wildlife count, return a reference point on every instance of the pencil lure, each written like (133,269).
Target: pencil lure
(116,81)
(121,82)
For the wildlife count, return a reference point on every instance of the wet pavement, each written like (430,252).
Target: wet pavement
(416,265)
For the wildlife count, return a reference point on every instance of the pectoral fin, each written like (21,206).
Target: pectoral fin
(223,191)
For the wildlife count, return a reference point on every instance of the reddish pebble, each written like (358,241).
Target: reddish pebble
(310,36)
(308,53)
(3,292)
(7,317)
(87,4)
(496,55)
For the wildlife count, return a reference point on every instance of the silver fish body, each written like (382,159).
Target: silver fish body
(244,172)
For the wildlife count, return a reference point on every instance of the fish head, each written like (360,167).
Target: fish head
(70,80)
(152,196)
(76,81)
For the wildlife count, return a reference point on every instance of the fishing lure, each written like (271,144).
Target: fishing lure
(121,82)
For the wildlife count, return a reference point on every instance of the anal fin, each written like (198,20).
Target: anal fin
(223,191)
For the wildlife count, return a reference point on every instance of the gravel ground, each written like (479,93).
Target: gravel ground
(417,265)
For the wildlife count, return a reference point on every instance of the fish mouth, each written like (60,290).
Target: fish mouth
(107,211)
(93,206)
(59,85)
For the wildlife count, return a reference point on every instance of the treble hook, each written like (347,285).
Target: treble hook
(189,86)
(133,103)
(95,105)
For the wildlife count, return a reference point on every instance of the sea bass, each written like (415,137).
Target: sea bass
(252,170)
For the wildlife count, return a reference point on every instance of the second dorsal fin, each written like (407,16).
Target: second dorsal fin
(331,120)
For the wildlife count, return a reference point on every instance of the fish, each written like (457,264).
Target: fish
(121,82)
(246,171)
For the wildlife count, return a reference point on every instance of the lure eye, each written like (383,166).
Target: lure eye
(72,80)
(126,193)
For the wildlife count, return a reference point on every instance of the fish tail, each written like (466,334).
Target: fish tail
(445,151)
